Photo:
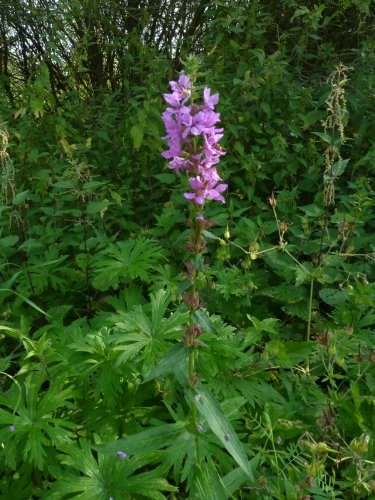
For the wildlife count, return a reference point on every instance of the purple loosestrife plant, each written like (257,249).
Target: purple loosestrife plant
(193,141)
(193,147)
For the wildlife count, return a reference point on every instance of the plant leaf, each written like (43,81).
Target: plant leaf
(210,409)
(177,354)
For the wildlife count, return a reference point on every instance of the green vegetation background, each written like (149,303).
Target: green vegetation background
(92,233)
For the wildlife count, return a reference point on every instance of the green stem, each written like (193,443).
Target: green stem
(194,409)
(309,320)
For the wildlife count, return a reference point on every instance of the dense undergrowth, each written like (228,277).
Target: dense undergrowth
(93,236)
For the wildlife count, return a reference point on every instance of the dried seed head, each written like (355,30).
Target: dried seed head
(272,201)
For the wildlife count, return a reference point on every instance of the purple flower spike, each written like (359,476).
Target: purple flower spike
(199,428)
(12,428)
(227,437)
(121,454)
(184,123)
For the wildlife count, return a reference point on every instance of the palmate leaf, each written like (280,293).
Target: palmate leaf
(147,337)
(15,490)
(109,476)
(94,356)
(33,419)
(131,259)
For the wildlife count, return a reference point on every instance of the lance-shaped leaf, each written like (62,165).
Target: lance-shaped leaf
(143,442)
(210,409)
(177,354)
(207,484)
(204,321)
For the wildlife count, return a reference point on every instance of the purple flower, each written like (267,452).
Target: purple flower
(227,437)
(210,101)
(199,428)
(121,454)
(12,428)
(278,439)
(205,190)
(184,124)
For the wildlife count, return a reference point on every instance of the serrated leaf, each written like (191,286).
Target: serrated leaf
(9,241)
(239,147)
(166,178)
(332,297)
(325,137)
(97,206)
(209,408)
(177,354)
(64,184)
(20,197)
(137,133)
(266,108)
(133,258)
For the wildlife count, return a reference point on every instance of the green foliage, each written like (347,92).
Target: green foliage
(92,250)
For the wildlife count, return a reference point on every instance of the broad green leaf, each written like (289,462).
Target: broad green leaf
(177,354)
(325,137)
(103,135)
(311,117)
(166,178)
(239,147)
(9,241)
(137,133)
(97,206)
(209,408)
(21,197)
(64,184)
(266,108)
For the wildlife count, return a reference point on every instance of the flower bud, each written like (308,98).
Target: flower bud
(272,201)
(349,330)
